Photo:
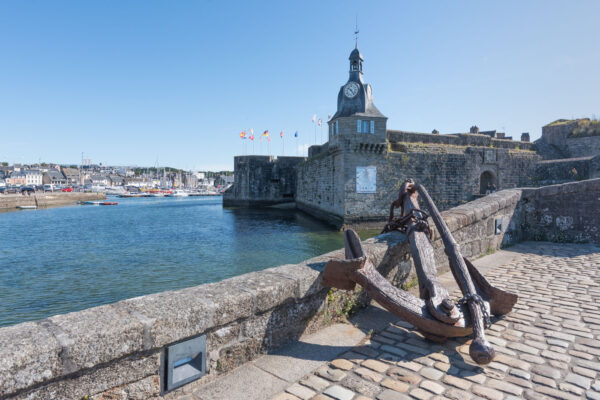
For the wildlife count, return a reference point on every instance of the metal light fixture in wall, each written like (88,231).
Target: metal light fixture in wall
(498,226)
(183,363)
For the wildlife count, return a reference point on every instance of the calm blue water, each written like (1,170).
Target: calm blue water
(65,259)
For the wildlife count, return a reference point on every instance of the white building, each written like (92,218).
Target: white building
(33,177)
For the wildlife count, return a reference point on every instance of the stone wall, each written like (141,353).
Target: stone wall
(583,146)
(451,173)
(460,139)
(262,181)
(549,172)
(568,212)
(42,200)
(115,351)
(560,135)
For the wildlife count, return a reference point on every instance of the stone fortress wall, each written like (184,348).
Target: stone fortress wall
(573,138)
(118,349)
(450,166)
(262,181)
(549,172)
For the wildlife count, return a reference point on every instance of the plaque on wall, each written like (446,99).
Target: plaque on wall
(366,179)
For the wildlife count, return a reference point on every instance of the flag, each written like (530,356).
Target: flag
(296,134)
(281,134)
(320,122)
(243,135)
(314,118)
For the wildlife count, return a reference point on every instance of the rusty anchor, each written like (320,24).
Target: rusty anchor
(434,313)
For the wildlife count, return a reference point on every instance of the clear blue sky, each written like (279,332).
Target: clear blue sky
(127,82)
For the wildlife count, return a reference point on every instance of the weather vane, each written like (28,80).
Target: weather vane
(356,34)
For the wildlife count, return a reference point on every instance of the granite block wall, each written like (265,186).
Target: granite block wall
(560,136)
(569,212)
(549,172)
(451,174)
(583,146)
(262,181)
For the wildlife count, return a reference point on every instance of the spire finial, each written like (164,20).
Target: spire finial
(356,33)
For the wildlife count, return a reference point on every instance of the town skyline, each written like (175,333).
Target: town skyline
(186,79)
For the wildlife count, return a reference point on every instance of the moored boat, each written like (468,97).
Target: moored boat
(178,193)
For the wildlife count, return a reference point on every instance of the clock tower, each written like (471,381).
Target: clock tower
(356,114)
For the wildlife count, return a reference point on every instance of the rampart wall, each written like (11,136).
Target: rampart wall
(452,174)
(583,146)
(461,139)
(262,181)
(550,172)
(116,350)
(560,135)
(569,212)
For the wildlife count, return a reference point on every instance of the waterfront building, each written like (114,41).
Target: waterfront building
(116,180)
(17,178)
(72,175)
(33,177)
(54,177)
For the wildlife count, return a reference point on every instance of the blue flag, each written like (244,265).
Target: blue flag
(296,134)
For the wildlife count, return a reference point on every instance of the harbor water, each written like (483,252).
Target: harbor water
(58,260)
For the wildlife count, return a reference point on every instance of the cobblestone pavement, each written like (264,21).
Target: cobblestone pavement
(547,348)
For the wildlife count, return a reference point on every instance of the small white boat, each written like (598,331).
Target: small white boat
(27,207)
(178,193)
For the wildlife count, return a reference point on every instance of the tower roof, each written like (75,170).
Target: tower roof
(361,102)
(355,55)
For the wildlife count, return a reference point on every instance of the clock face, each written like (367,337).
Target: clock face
(351,89)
